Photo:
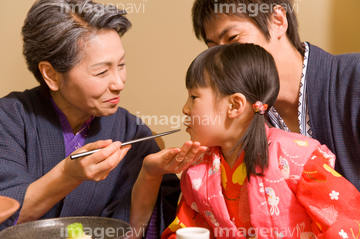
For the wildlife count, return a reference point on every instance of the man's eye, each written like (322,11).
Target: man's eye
(234,38)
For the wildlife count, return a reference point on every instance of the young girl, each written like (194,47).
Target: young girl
(255,181)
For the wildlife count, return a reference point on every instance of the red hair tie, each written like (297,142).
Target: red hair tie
(258,106)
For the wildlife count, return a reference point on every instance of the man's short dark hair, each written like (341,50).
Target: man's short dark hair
(204,10)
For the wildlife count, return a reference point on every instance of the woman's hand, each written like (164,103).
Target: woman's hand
(97,166)
(48,190)
(173,160)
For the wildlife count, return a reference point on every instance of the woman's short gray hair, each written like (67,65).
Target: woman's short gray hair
(54,30)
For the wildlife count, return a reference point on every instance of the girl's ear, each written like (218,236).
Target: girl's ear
(278,22)
(237,104)
(50,75)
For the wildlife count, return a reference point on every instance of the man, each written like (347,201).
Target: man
(319,92)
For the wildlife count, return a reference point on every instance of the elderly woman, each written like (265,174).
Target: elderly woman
(75,53)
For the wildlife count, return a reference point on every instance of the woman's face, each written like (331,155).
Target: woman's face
(93,86)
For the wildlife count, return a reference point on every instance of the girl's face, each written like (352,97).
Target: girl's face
(93,86)
(206,116)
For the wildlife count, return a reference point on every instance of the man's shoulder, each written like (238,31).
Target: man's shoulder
(316,53)
(329,67)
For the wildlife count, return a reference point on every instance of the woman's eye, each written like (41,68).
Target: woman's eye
(121,66)
(101,73)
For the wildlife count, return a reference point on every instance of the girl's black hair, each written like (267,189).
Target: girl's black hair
(247,69)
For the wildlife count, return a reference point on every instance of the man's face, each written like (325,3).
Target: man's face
(225,29)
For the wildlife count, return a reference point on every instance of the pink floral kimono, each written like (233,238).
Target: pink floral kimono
(299,196)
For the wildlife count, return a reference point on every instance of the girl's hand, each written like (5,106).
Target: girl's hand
(97,166)
(173,160)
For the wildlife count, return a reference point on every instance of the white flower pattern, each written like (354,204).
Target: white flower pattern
(334,195)
(262,188)
(343,234)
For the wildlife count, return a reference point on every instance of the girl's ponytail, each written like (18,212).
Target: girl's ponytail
(255,143)
(247,69)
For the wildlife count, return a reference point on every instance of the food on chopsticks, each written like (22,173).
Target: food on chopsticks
(76,231)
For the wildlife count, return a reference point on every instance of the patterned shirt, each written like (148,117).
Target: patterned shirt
(303,114)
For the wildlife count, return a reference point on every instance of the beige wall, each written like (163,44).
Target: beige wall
(161,45)
(334,25)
